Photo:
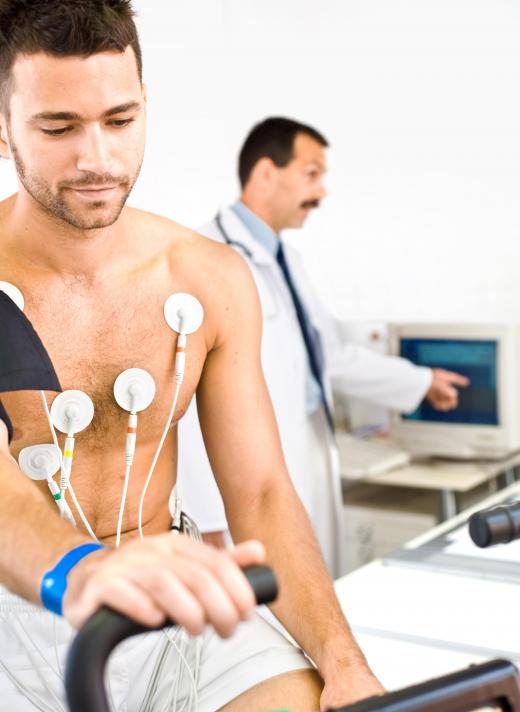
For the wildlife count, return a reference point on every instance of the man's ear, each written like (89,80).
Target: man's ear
(5,151)
(263,171)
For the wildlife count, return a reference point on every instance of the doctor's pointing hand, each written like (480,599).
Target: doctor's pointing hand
(443,393)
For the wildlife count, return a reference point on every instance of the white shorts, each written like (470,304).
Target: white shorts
(146,672)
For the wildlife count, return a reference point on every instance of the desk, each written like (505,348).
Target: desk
(415,624)
(447,477)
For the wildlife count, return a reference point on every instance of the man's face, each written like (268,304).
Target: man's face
(76,134)
(298,187)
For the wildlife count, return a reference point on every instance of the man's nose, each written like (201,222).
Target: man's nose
(322,191)
(94,153)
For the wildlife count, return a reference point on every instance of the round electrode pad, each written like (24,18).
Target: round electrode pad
(183,313)
(134,388)
(13,293)
(72,411)
(40,461)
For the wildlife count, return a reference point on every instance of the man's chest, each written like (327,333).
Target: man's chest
(91,341)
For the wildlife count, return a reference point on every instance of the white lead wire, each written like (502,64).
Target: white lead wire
(156,457)
(81,513)
(123,504)
(49,420)
(70,489)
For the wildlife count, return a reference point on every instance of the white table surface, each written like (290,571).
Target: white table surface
(414,624)
(398,664)
(458,476)
(476,616)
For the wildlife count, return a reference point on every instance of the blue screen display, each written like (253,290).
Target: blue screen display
(478,403)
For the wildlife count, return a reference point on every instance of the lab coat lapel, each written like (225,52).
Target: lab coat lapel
(315,311)
(303,285)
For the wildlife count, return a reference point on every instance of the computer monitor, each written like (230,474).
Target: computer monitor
(486,424)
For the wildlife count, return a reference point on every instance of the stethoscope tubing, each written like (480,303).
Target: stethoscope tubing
(229,241)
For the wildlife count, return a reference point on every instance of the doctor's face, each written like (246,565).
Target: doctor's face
(75,132)
(298,187)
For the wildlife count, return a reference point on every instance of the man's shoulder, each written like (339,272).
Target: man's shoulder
(157,226)
(182,244)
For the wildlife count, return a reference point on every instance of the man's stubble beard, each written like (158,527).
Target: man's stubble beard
(57,207)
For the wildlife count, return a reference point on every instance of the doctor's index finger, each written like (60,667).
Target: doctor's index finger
(458,379)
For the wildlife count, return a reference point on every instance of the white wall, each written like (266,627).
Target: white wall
(421,102)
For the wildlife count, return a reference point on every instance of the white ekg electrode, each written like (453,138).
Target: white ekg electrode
(134,390)
(39,462)
(13,293)
(42,462)
(71,412)
(183,313)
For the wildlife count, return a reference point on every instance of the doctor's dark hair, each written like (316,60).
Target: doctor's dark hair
(63,28)
(273,138)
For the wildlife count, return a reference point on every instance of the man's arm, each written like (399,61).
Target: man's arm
(162,577)
(33,536)
(244,448)
(389,381)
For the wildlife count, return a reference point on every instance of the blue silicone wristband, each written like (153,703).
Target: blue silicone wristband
(54,582)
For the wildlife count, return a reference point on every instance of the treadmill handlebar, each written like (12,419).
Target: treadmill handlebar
(495,682)
(499,525)
(107,628)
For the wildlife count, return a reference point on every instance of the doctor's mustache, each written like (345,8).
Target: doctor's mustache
(310,204)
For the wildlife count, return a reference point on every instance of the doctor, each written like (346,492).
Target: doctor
(281,168)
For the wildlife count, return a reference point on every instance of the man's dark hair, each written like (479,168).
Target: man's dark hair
(272,138)
(63,28)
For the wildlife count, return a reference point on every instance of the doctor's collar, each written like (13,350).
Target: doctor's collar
(259,230)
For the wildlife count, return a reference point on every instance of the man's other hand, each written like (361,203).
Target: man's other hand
(166,577)
(355,683)
(443,393)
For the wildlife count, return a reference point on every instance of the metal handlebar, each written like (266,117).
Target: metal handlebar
(495,682)
(498,525)
(104,630)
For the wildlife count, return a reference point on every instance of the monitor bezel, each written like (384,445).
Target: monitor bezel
(472,440)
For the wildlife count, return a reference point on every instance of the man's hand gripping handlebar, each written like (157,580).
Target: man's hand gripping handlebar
(165,577)
(105,629)
(147,584)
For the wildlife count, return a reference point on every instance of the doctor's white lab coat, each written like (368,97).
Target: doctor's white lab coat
(307,441)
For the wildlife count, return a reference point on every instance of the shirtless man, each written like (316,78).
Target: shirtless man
(95,276)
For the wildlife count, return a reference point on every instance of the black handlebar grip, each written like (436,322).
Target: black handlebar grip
(495,683)
(499,525)
(263,582)
(104,630)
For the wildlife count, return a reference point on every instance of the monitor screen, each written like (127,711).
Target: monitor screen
(476,359)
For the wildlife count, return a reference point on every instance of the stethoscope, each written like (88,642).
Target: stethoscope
(273,299)
(229,241)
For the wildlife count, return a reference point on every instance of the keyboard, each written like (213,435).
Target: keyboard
(361,458)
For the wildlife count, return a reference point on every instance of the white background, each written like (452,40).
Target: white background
(420,100)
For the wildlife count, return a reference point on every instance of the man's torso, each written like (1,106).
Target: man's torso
(93,333)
